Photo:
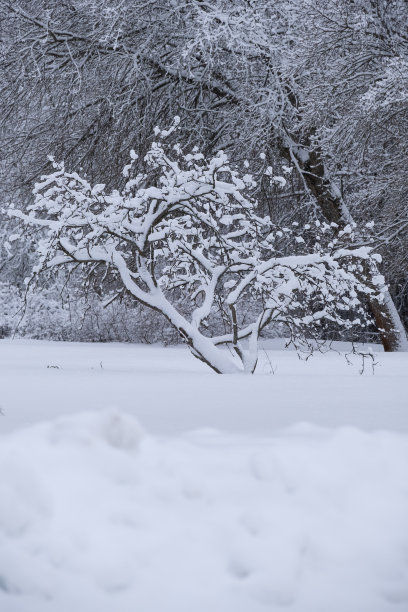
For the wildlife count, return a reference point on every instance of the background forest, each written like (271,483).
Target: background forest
(315,91)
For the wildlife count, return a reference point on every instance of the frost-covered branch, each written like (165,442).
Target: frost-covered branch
(187,224)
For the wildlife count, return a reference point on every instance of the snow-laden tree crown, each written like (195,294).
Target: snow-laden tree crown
(186,224)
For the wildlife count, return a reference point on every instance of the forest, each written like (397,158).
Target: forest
(307,100)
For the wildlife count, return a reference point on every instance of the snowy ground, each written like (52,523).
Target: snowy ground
(133,479)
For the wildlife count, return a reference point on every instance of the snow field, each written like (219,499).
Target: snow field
(97,515)
(170,392)
(200,492)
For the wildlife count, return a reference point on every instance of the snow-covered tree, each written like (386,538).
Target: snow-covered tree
(322,83)
(184,224)
(351,73)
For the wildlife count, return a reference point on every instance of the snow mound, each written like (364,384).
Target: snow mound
(113,427)
(96,515)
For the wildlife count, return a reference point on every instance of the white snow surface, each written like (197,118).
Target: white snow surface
(135,480)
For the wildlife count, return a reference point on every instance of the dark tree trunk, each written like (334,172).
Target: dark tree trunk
(331,203)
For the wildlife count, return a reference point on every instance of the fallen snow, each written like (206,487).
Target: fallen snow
(170,392)
(96,516)
(219,501)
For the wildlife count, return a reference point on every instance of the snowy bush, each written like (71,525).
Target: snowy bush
(185,230)
(41,317)
(50,315)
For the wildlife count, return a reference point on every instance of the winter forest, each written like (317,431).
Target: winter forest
(306,100)
(191,188)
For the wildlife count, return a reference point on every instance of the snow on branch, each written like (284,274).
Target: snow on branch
(188,226)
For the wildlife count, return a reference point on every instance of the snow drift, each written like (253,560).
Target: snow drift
(97,515)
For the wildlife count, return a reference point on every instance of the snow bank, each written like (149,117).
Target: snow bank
(97,516)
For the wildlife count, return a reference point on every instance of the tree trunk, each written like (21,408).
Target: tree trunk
(201,347)
(334,209)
